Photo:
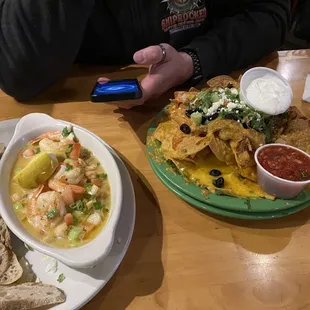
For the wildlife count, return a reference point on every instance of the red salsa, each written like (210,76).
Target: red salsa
(285,163)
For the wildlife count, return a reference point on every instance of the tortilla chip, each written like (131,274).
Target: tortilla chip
(185,97)
(222,150)
(299,139)
(244,152)
(248,173)
(223,81)
(176,144)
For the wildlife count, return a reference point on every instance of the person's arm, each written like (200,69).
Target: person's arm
(39,40)
(256,29)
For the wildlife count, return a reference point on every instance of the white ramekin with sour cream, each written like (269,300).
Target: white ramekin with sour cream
(266,90)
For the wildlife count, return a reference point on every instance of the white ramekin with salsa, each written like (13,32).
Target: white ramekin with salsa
(282,170)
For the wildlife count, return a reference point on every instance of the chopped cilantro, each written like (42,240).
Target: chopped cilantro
(61,278)
(88,186)
(102,176)
(98,164)
(98,205)
(66,132)
(69,149)
(52,214)
(69,167)
(37,150)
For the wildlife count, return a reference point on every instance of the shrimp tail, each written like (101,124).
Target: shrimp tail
(76,150)
(33,201)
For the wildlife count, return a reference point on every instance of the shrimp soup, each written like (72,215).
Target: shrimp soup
(59,190)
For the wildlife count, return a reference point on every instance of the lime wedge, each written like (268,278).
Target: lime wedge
(38,171)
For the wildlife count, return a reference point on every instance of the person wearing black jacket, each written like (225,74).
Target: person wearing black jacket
(41,39)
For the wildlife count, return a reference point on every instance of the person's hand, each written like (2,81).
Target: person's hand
(174,70)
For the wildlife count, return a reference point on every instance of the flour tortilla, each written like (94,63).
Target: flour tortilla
(5,237)
(30,296)
(13,272)
(4,259)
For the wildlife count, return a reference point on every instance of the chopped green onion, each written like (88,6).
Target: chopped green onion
(61,278)
(88,186)
(69,149)
(69,167)
(98,205)
(78,206)
(17,206)
(52,214)
(102,176)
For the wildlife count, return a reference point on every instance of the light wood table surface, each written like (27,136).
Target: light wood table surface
(181,258)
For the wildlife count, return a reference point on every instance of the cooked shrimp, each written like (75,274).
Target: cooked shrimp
(28,153)
(73,176)
(47,145)
(91,171)
(51,135)
(41,204)
(60,187)
(76,150)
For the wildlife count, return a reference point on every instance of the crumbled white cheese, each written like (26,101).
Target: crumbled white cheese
(234,91)
(231,106)
(221,90)
(214,107)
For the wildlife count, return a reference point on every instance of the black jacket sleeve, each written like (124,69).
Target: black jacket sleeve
(39,40)
(256,29)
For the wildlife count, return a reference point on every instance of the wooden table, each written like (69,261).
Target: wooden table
(181,258)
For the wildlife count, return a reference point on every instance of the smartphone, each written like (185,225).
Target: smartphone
(117,90)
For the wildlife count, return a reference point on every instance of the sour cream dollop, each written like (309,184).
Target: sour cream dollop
(269,94)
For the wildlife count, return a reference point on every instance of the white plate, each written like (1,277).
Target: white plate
(81,286)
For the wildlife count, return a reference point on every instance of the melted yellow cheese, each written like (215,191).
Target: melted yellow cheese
(234,185)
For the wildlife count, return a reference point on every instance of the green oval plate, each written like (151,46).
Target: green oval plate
(221,201)
(223,212)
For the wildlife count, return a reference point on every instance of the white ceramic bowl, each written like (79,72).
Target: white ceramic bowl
(29,127)
(274,185)
(257,72)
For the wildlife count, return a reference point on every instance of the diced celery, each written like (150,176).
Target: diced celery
(77,214)
(74,233)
